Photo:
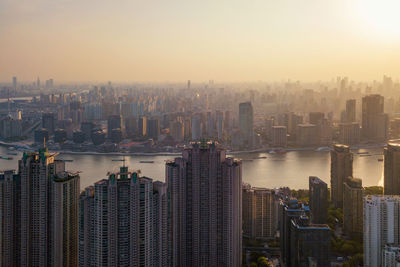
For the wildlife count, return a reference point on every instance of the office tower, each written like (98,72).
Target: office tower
(341,168)
(374,121)
(49,122)
(318,197)
(307,135)
(391,173)
(38,82)
(353,207)
(316,117)
(142,125)
(205,218)
(246,123)
(14,82)
(294,120)
(381,227)
(177,131)
(153,128)
(210,125)
(349,133)
(351,110)
(64,219)
(87,128)
(391,256)
(259,212)
(113,122)
(279,136)
(220,124)
(196,127)
(300,240)
(10,221)
(309,241)
(131,126)
(120,221)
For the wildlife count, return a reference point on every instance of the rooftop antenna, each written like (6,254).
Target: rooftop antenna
(44,141)
(123,160)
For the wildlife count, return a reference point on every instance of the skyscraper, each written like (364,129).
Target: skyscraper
(375,122)
(351,110)
(122,217)
(246,123)
(10,221)
(381,227)
(318,196)
(391,182)
(196,127)
(114,122)
(260,208)
(341,168)
(205,215)
(353,207)
(49,122)
(14,82)
(299,239)
(65,188)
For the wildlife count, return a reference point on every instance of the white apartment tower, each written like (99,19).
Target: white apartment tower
(381,227)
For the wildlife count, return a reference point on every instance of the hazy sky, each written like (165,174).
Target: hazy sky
(171,40)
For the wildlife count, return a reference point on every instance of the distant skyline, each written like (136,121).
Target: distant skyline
(74,41)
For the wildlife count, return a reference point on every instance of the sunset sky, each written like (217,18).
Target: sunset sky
(171,40)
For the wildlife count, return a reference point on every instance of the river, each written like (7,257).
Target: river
(290,169)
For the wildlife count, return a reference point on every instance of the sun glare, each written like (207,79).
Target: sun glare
(381,17)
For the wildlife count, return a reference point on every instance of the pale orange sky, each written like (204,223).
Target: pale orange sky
(175,40)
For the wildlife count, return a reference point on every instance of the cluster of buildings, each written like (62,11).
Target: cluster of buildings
(193,219)
(138,118)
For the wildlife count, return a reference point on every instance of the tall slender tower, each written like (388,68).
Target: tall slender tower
(341,168)
(375,122)
(246,123)
(351,110)
(65,190)
(392,169)
(205,210)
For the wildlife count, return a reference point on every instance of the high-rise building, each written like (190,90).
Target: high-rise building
(177,131)
(375,122)
(391,171)
(299,239)
(260,207)
(391,256)
(65,189)
(142,126)
(220,124)
(14,82)
(120,222)
(10,219)
(279,136)
(246,123)
(153,128)
(307,135)
(341,168)
(351,110)
(196,127)
(316,118)
(349,133)
(309,241)
(39,212)
(205,209)
(318,197)
(381,227)
(49,122)
(353,207)
(114,122)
